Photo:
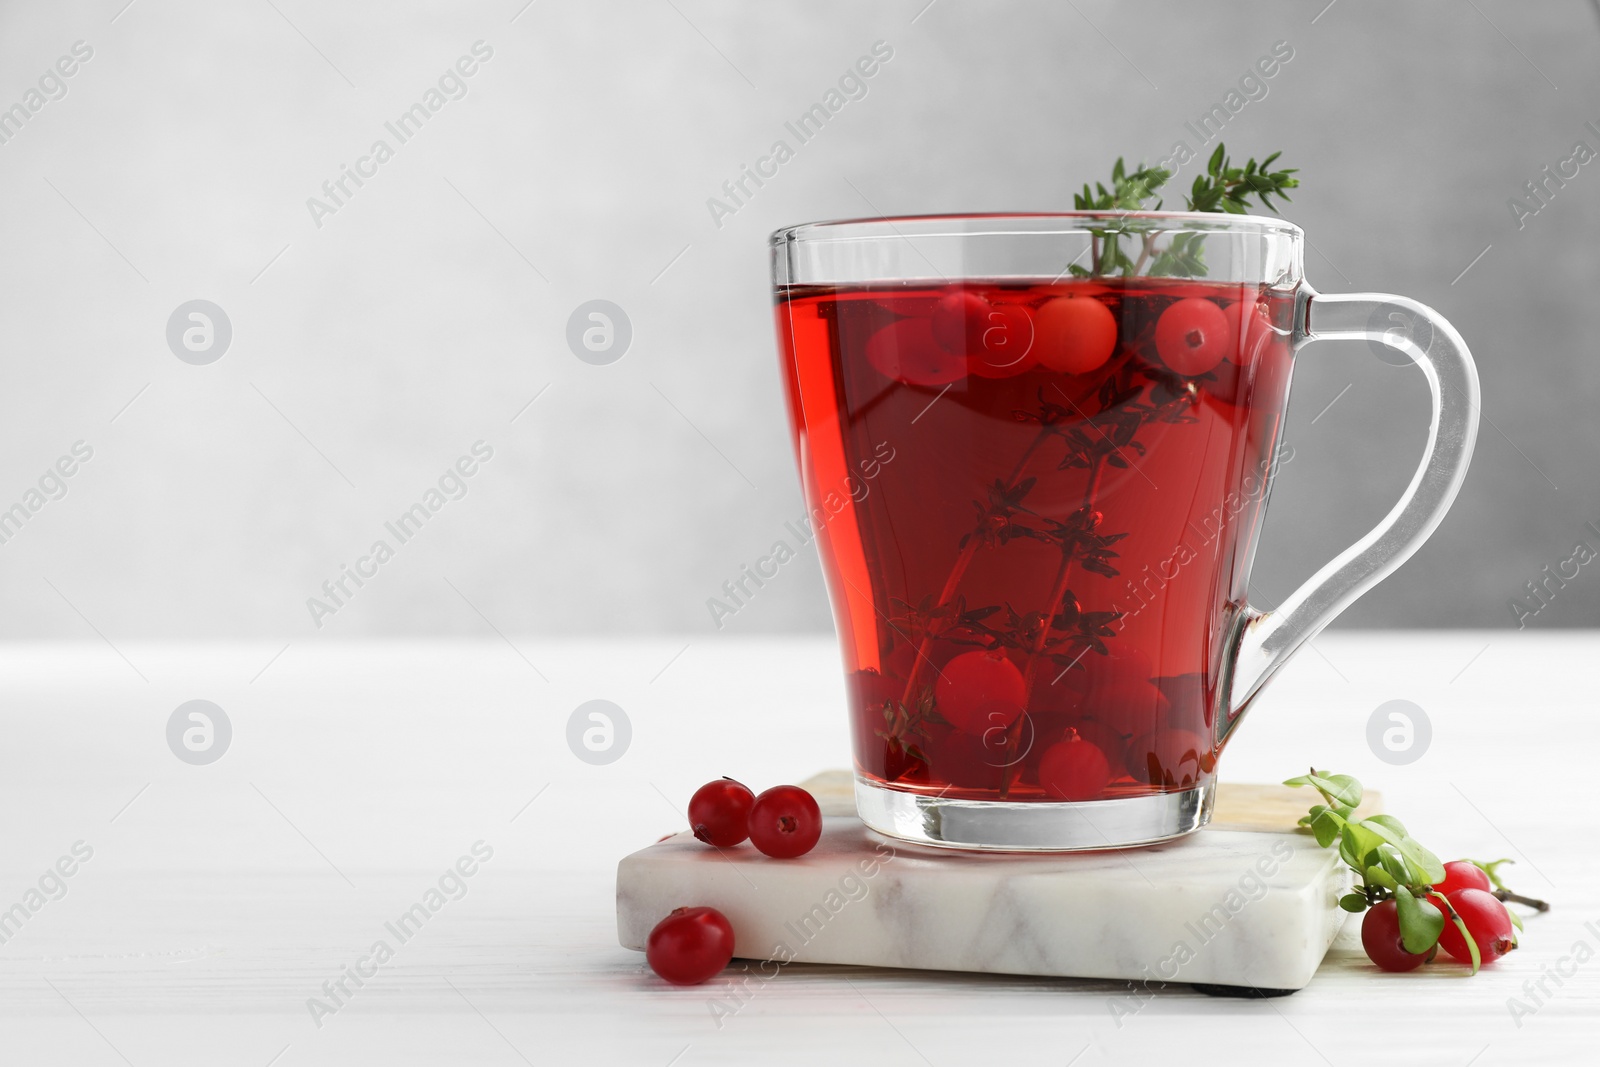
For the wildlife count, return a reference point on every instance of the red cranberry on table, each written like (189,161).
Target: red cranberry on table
(690,946)
(1487,921)
(785,822)
(719,812)
(1380,936)
(1463,874)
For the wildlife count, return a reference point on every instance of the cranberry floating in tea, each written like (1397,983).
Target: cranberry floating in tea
(1043,597)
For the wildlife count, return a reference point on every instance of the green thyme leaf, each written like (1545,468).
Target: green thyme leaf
(1223,188)
(1128,192)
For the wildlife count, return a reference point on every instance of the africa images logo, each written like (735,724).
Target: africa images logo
(452,885)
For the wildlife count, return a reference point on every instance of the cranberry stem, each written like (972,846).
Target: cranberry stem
(1506,896)
(1144,254)
(1058,594)
(959,570)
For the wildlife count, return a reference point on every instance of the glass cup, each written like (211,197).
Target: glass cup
(1037,450)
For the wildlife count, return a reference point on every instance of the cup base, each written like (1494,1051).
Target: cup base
(1006,826)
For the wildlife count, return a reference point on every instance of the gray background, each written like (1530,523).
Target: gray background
(368,354)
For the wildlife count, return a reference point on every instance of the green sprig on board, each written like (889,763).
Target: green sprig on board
(1391,864)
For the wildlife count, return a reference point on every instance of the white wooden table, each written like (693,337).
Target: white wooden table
(220,898)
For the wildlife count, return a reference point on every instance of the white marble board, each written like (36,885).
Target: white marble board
(1230,907)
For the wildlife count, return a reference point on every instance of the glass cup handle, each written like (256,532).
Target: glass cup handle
(1264,641)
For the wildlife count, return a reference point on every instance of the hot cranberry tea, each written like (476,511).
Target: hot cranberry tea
(1038,502)
(1033,587)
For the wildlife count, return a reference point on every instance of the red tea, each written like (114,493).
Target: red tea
(1035,587)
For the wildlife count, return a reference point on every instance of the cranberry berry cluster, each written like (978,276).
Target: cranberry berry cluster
(1417,904)
(692,945)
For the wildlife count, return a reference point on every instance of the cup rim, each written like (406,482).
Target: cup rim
(895,226)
